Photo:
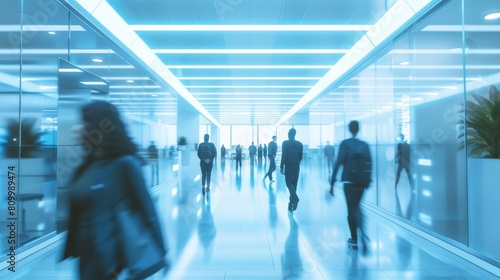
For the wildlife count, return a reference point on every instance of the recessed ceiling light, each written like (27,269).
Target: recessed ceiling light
(52,33)
(492,16)
(154,95)
(404,63)
(97,60)
(130,81)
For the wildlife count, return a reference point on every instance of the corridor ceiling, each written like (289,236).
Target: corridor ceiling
(272,62)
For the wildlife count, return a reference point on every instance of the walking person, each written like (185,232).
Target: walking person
(291,156)
(252,151)
(259,153)
(105,189)
(239,154)
(272,150)
(354,156)
(264,152)
(222,152)
(330,155)
(403,160)
(206,153)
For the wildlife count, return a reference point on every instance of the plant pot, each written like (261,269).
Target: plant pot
(484,191)
(182,147)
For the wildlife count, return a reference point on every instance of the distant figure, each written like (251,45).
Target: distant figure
(291,156)
(264,152)
(354,156)
(259,152)
(152,150)
(252,151)
(223,152)
(273,149)
(107,184)
(403,159)
(153,159)
(239,153)
(206,153)
(330,155)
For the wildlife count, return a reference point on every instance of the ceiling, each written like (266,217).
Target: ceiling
(250,62)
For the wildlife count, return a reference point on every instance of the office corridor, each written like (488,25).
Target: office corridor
(242,230)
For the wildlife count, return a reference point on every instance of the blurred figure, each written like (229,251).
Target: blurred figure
(273,149)
(206,153)
(153,160)
(403,159)
(222,152)
(291,156)
(330,155)
(259,153)
(109,177)
(354,156)
(239,154)
(264,152)
(252,151)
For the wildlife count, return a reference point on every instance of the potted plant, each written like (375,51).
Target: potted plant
(182,142)
(481,127)
(480,134)
(22,136)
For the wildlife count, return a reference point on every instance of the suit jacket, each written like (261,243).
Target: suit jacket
(94,194)
(345,149)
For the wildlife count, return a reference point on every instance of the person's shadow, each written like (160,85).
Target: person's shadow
(291,263)
(273,213)
(403,246)
(238,181)
(206,227)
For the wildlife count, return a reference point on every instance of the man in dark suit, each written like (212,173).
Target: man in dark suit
(330,155)
(353,191)
(272,150)
(403,159)
(206,153)
(291,155)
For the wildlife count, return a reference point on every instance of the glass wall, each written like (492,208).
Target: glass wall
(36,36)
(410,104)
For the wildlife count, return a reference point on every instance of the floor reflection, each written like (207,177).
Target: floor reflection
(291,263)
(206,227)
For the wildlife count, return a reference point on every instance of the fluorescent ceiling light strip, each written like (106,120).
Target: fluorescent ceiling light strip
(246,28)
(125,78)
(93,83)
(115,25)
(248,86)
(106,66)
(55,51)
(40,28)
(150,86)
(460,28)
(248,93)
(250,51)
(248,98)
(249,78)
(249,66)
(393,19)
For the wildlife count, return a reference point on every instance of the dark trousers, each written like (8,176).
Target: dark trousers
(406,167)
(329,161)
(272,168)
(291,179)
(206,173)
(238,162)
(353,195)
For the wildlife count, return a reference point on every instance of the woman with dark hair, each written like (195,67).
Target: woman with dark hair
(109,176)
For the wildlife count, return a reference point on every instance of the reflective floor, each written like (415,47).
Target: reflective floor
(242,230)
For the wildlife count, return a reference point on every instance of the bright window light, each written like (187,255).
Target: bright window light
(249,66)
(460,28)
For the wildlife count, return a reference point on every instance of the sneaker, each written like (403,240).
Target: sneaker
(271,180)
(353,244)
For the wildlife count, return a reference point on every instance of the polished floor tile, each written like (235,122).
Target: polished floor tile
(242,230)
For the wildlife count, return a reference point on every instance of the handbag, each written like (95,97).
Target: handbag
(141,254)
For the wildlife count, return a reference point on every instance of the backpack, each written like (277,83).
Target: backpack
(361,164)
(204,151)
